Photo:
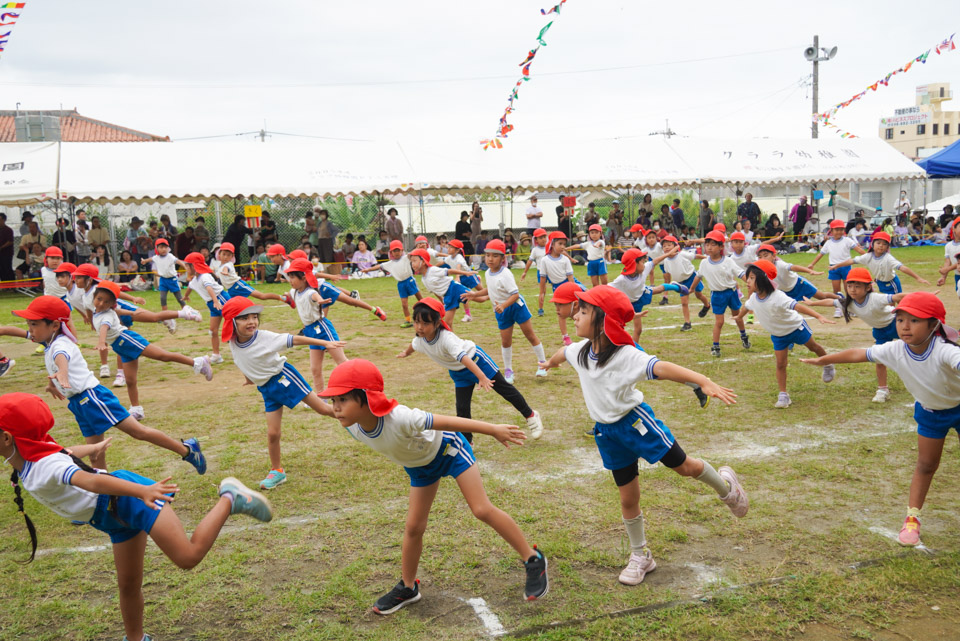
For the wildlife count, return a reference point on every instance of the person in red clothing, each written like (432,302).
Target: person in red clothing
(183,245)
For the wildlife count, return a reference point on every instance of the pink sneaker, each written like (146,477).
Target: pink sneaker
(736,499)
(637,568)
(566,340)
(910,532)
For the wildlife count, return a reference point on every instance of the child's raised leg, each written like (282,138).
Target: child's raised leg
(471,486)
(128,559)
(418,511)
(170,537)
(159,354)
(141,432)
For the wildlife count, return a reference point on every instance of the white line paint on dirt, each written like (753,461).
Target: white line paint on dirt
(490,621)
(893,536)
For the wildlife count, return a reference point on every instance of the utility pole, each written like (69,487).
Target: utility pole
(666,133)
(816,85)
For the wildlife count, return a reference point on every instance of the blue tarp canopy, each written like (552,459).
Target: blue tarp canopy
(943,164)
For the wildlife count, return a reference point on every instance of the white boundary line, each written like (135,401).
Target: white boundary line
(490,621)
(894,536)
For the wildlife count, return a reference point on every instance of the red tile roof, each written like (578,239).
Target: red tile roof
(77,128)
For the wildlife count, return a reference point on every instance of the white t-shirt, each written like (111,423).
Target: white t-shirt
(282,270)
(88,298)
(457,261)
(744,258)
(405,436)
(594,249)
(931,377)
(78,374)
(399,269)
(748,237)
(556,269)
(436,281)
(259,357)
(838,250)
(653,252)
(308,310)
(633,285)
(876,311)
(48,481)
(501,285)
(111,320)
(679,267)
(786,278)
(883,268)
(610,392)
(536,255)
(227,274)
(165,266)
(776,313)
(446,349)
(200,282)
(950,251)
(50,285)
(75,297)
(720,275)
(533,223)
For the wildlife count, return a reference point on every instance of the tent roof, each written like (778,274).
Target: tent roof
(28,172)
(943,164)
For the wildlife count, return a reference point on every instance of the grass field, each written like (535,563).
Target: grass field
(814,558)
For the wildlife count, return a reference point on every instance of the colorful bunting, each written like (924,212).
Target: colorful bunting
(555,9)
(13,5)
(8,19)
(543,32)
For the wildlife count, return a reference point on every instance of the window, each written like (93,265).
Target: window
(902,132)
(942,89)
(872,199)
(921,129)
(936,126)
(888,134)
(946,129)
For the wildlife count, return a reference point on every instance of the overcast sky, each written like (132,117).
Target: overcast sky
(440,72)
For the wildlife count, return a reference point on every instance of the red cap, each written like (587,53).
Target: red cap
(45,308)
(163,241)
(554,235)
(420,239)
(422,255)
(737,235)
(228,247)
(927,305)
(65,267)
(539,231)
(837,224)
(199,264)
(651,231)
(236,306)
(767,267)
(29,420)
(720,227)
(363,375)
(595,227)
(495,246)
(636,229)
(305,266)
(630,258)
(298,253)
(767,248)
(437,306)
(716,235)
(111,287)
(276,250)
(396,244)
(456,243)
(617,311)
(670,238)
(859,275)
(53,251)
(566,293)
(87,269)
(880,235)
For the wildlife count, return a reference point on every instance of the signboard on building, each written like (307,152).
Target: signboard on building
(907,117)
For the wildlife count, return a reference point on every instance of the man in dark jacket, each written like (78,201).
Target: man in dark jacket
(749,210)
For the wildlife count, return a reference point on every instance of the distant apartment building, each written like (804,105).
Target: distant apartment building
(924,128)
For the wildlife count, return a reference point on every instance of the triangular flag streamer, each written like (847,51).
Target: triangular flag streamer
(8,19)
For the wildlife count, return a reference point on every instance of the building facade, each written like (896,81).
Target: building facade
(924,128)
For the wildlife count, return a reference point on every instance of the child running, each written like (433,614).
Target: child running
(211,292)
(94,407)
(537,252)
(165,265)
(632,282)
(226,273)
(122,504)
(438,282)
(780,315)
(927,359)
(399,267)
(455,258)
(413,438)
(256,353)
(721,274)
(678,266)
(557,269)
(838,247)
(796,287)
(609,366)
(595,248)
(509,307)
(882,265)
(466,362)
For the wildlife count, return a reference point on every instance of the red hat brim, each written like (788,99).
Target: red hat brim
(612,327)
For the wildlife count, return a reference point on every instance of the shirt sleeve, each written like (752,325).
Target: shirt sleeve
(824,249)
(883,354)
(568,266)
(862,259)
(510,283)
(414,420)
(60,467)
(640,364)
(276,342)
(896,263)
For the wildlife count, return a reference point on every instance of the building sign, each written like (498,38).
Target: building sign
(907,117)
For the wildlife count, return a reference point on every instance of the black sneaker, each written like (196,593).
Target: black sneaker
(664,301)
(745,340)
(5,365)
(397,598)
(715,351)
(704,311)
(701,396)
(537,584)
(686,327)
(355,293)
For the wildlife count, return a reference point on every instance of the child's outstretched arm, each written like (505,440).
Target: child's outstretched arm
(306,340)
(474,294)
(526,268)
(668,371)
(461,272)
(10,330)
(506,434)
(558,359)
(807,270)
(484,382)
(407,352)
(315,297)
(809,311)
(112,486)
(852,355)
(136,300)
(846,263)
(816,260)
(909,272)
(102,339)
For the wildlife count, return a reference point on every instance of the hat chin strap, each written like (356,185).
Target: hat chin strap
(7,460)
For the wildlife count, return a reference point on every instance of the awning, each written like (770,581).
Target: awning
(28,172)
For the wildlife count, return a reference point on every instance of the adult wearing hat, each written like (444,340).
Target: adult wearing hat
(134,232)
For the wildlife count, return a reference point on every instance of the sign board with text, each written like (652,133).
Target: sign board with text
(907,119)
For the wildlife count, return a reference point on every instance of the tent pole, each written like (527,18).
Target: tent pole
(502,219)
(423,226)
(511,208)
(406,233)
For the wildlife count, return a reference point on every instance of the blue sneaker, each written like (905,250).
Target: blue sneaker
(540,312)
(146,637)
(245,500)
(274,478)
(195,457)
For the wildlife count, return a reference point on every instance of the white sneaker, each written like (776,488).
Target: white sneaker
(535,425)
(201,365)
(829,371)
(215,359)
(190,313)
(508,376)
(637,568)
(783,401)
(171,325)
(466,318)
(104,371)
(540,371)
(736,499)
(136,411)
(837,311)
(120,380)
(881,396)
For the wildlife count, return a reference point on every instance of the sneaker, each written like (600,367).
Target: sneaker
(566,340)
(466,318)
(701,396)
(274,478)
(215,359)
(880,397)
(715,351)
(146,637)
(355,293)
(537,584)
(120,379)
(7,364)
(745,341)
(201,365)
(39,351)
(104,371)
(379,313)
(837,313)
(686,327)
(829,371)
(245,500)
(736,499)
(189,313)
(196,458)
(910,532)
(136,411)
(684,290)
(637,568)
(289,300)
(535,425)
(406,325)
(749,319)
(664,301)
(703,311)
(508,375)
(540,312)
(783,400)
(541,372)
(171,325)
(400,596)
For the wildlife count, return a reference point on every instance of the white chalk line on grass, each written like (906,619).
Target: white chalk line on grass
(490,621)
(894,536)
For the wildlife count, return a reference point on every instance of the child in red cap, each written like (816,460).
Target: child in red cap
(882,265)
(413,438)
(227,274)
(780,315)
(632,282)
(399,267)
(53,256)
(557,270)
(610,365)
(654,249)
(457,260)
(796,287)
(438,281)
(595,247)
(122,504)
(201,280)
(677,264)
(927,359)
(838,248)
(951,252)
(95,408)
(165,265)
(721,273)
(537,252)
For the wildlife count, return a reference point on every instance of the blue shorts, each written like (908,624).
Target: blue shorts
(956,281)
(223,297)
(126,321)
(133,516)
(687,283)
(838,274)
(322,329)
(662,270)
(639,434)
(643,301)
(451,300)
(721,300)
(407,288)
(803,289)
(469,281)
(454,458)
(331,292)
(240,288)
(800,336)
(555,285)
(596,267)
(168,284)
(936,423)
(517,313)
(466,378)
(64,299)
(539,277)
(129,345)
(886,334)
(285,389)
(96,410)
(890,286)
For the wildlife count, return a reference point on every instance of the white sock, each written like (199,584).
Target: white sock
(638,539)
(538,351)
(714,480)
(507,357)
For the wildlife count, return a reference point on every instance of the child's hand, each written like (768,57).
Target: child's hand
(923,280)
(816,273)
(548,364)
(334,344)
(101,347)
(98,449)
(217,304)
(508,434)
(725,394)
(643,313)
(403,354)
(941,281)
(158,492)
(498,308)
(814,361)
(522,276)
(139,301)
(466,296)
(485,383)
(53,390)
(826,321)
(323,301)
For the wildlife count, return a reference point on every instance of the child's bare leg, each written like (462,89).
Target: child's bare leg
(170,537)
(739,321)
(929,451)
(562,321)
(781,356)
(543,293)
(146,316)
(418,511)
(815,347)
(103,355)
(354,302)
(717,326)
(130,373)
(419,295)
(837,284)
(603,279)
(159,354)
(128,559)
(316,367)
(594,280)
(141,432)
(265,295)
(685,308)
(215,334)
(98,461)
(703,298)
(273,437)
(406,308)
(881,375)
(471,486)
(637,328)
(630,499)
(826,296)
(449,315)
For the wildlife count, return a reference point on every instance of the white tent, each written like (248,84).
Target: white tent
(28,172)
(938,205)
